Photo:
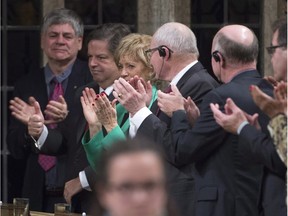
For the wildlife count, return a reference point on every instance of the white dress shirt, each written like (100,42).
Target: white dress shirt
(142,114)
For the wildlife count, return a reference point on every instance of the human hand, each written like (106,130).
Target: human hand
(88,103)
(269,105)
(147,86)
(192,110)
(271,80)
(36,122)
(22,110)
(232,117)
(170,102)
(280,94)
(72,188)
(106,111)
(133,100)
(56,111)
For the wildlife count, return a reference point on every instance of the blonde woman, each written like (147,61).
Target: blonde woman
(107,121)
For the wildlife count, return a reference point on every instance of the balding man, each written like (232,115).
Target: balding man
(174,56)
(226,182)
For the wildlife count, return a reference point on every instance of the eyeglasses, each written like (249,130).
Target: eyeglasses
(271,49)
(151,50)
(160,49)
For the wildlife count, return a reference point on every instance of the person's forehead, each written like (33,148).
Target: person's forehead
(127,163)
(65,27)
(98,44)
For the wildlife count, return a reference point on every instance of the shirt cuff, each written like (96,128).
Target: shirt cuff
(83,181)
(241,126)
(39,143)
(137,119)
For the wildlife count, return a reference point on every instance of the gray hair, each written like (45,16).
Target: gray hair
(177,37)
(63,16)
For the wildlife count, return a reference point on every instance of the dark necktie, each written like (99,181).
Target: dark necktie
(167,90)
(47,161)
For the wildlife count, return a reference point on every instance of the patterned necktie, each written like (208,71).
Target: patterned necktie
(47,161)
(167,90)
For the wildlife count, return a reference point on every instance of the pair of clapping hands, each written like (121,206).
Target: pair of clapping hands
(31,115)
(136,94)
(233,116)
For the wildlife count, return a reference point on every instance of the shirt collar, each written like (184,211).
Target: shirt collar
(49,75)
(176,79)
(107,91)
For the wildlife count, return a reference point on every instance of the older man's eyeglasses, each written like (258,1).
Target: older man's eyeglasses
(160,49)
(271,49)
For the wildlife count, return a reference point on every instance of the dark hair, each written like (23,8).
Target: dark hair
(111,32)
(281,26)
(63,16)
(236,52)
(128,146)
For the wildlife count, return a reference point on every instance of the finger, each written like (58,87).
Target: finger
(17,103)
(55,114)
(271,80)
(31,100)
(118,88)
(175,90)
(255,118)
(61,100)
(50,121)
(143,82)
(55,104)
(91,95)
(85,97)
(141,87)
(106,101)
(126,87)
(37,108)
(83,103)
(216,112)
(113,103)
(149,86)
(20,101)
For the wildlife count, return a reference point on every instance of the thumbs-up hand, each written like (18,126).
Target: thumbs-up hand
(36,122)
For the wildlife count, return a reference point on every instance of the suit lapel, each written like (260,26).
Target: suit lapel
(194,69)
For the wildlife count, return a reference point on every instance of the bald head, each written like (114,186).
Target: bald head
(238,33)
(237,44)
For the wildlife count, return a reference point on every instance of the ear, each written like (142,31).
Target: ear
(80,42)
(102,196)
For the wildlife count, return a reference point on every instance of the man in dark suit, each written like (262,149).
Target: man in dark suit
(61,39)
(259,145)
(174,56)
(226,183)
(102,43)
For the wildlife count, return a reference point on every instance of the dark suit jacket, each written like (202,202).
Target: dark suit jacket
(226,183)
(67,139)
(21,146)
(262,150)
(195,83)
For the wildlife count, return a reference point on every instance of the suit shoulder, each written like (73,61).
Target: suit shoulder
(31,77)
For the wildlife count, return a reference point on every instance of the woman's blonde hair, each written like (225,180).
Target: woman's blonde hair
(134,46)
